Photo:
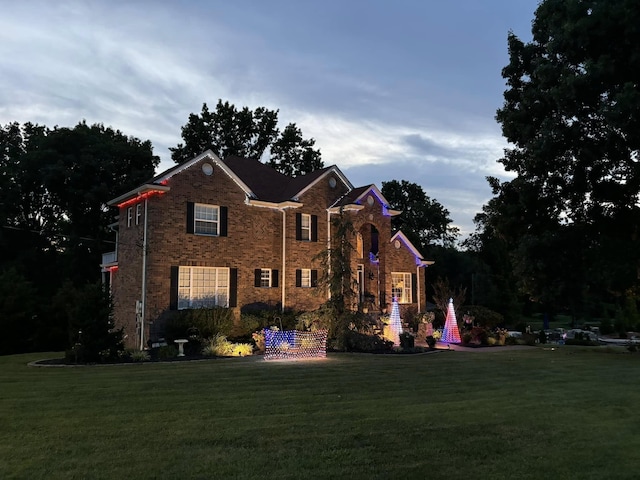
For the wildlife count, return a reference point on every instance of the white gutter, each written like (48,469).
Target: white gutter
(418,286)
(329,251)
(144,276)
(284,257)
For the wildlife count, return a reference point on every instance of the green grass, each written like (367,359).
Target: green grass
(526,414)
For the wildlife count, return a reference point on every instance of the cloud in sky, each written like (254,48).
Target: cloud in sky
(403,90)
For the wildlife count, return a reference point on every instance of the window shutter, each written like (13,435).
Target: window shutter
(298,278)
(314,278)
(190,217)
(314,228)
(257,277)
(298,226)
(223,221)
(414,288)
(173,290)
(233,287)
(274,278)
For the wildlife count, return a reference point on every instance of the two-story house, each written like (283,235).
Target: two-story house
(235,232)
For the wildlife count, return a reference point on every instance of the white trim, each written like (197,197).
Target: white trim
(333,169)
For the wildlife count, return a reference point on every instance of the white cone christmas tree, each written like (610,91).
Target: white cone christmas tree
(450,334)
(395,326)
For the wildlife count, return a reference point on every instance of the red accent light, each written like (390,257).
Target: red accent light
(112,269)
(140,196)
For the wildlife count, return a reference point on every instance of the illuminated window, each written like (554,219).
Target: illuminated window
(401,287)
(305,227)
(206,218)
(129,216)
(203,287)
(138,213)
(305,277)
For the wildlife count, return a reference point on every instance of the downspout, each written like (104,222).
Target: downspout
(284,257)
(328,251)
(144,276)
(418,286)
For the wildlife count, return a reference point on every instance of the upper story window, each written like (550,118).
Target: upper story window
(306,227)
(138,213)
(204,219)
(401,287)
(129,216)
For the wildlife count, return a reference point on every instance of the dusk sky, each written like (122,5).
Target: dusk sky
(390,90)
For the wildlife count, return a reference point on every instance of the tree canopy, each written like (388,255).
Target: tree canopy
(423,220)
(572,115)
(228,131)
(54,186)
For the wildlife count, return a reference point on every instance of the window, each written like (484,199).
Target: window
(266,277)
(306,227)
(306,278)
(203,287)
(138,213)
(206,219)
(129,216)
(203,219)
(401,287)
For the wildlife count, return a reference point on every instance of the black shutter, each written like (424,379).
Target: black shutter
(298,278)
(314,228)
(314,278)
(190,217)
(223,221)
(173,289)
(298,226)
(257,277)
(233,287)
(274,278)
(414,288)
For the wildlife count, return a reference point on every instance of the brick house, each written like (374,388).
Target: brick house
(235,232)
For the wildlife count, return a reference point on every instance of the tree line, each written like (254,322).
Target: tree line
(54,187)
(560,237)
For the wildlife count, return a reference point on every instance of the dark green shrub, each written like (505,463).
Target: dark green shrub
(407,340)
(606,327)
(92,337)
(483,316)
(17,310)
(542,336)
(167,352)
(431,342)
(360,342)
(198,322)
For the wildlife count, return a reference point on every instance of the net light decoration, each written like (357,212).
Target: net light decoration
(294,344)
(395,325)
(450,334)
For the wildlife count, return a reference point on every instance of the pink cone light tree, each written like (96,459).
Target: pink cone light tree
(450,334)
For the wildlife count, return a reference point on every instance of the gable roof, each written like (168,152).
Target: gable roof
(257,180)
(420,261)
(358,195)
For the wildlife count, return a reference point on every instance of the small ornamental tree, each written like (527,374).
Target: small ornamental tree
(337,277)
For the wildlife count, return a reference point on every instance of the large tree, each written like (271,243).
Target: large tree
(423,220)
(54,186)
(572,117)
(248,133)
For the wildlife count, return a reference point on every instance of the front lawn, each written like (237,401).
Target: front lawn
(531,413)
